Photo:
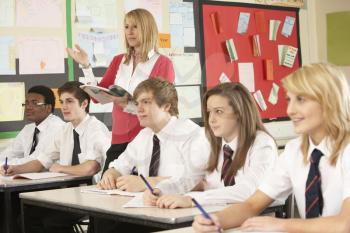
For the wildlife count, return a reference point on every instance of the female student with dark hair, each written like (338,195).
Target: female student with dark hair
(241,150)
(141,61)
(314,166)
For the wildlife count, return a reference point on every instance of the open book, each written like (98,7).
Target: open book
(96,92)
(36,175)
(96,190)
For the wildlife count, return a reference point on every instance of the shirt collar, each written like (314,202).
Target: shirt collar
(167,129)
(323,146)
(150,53)
(232,144)
(44,124)
(83,125)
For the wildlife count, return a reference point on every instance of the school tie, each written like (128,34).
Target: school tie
(228,180)
(35,140)
(154,165)
(313,192)
(76,148)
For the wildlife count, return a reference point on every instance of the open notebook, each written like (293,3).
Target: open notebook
(35,175)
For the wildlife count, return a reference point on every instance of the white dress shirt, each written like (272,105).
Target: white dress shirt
(261,157)
(184,152)
(18,151)
(290,175)
(94,138)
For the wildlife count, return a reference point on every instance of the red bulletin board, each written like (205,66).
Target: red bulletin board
(217,59)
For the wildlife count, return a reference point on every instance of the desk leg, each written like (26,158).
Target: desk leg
(7,212)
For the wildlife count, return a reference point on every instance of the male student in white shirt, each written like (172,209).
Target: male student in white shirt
(168,151)
(79,148)
(38,108)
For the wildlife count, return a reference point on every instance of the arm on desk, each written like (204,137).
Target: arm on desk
(32,166)
(337,223)
(87,168)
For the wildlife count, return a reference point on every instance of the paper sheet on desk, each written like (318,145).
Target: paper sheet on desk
(109,192)
(137,202)
(35,175)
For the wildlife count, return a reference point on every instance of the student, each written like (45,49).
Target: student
(169,151)
(315,166)
(80,146)
(141,61)
(241,149)
(38,109)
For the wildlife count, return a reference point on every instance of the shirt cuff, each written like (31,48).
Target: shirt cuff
(45,161)
(130,108)
(89,76)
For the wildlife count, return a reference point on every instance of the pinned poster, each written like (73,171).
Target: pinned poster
(260,22)
(181,24)
(12,96)
(96,14)
(246,75)
(100,47)
(223,78)
(260,100)
(215,22)
(153,6)
(273,29)
(273,98)
(268,69)
(286,55)
(7,55)
(243,22)
(164,40)
(187,68)
(231,49)
(288,26)
(41,55)
(189,101)
(39,13)
(256,45)
(7,13)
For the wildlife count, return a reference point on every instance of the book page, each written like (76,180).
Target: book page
(96,190)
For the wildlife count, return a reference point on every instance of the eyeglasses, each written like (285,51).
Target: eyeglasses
(33,104)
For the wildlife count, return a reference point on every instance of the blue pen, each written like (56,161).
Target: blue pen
(6,166)
(147,184)
(205,214)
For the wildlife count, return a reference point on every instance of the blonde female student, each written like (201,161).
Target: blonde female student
(241,150)
(315,166)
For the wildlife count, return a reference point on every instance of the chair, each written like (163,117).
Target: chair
(282,211)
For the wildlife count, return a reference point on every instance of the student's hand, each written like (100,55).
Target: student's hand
(56,167)
(79,55)
(151,198)
(130,183)
(202,224)
(11,170)
(263,224)
(109,180)
(120,101)
(174,201)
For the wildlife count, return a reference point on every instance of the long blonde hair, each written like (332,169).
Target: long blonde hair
(327,85)
(248,118)
(148,32)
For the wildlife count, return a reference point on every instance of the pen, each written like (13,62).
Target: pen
(205,214)
(147,184)
(6,166)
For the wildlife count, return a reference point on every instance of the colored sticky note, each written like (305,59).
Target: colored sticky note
(215,21)
(164,40)
(268,68)
(260,22)
(57,98)
(260,100)
(273,98)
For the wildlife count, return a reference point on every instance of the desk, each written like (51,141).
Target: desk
(190,230)
(9,190)
(110,207)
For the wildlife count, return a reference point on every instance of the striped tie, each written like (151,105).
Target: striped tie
(228,180)
(154,166)
(313,192)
